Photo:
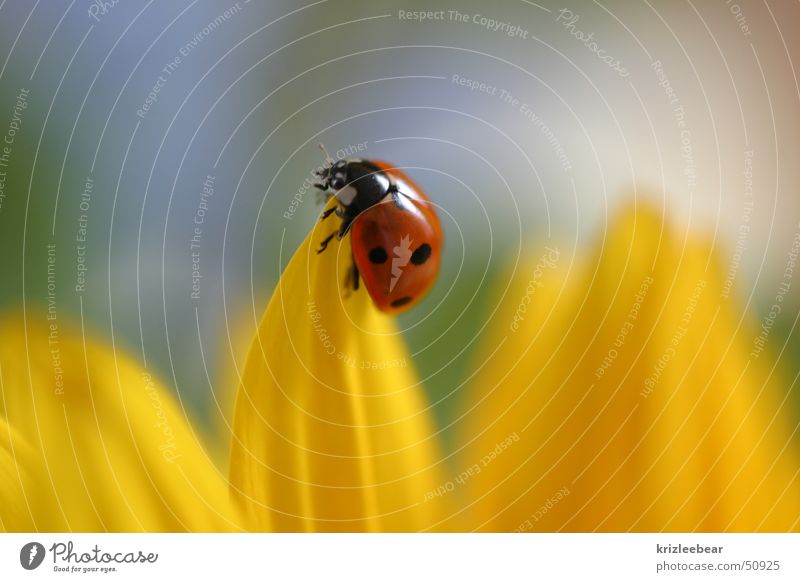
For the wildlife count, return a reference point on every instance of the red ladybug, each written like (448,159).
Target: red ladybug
(396,237)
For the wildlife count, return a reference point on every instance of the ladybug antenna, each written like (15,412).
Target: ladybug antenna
(328,157)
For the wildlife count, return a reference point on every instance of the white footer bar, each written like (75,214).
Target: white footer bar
(402,557)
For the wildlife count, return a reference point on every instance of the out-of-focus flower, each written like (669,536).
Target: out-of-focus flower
(621,394)
(625,397)
(14,515)
(331,429)
(89,441)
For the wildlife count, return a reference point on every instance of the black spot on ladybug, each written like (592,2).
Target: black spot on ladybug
(402,301)
(378,255)
(422,254)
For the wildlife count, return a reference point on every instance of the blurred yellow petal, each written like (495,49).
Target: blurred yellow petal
(14,500)
(635,401)
(332,431)
(89,441)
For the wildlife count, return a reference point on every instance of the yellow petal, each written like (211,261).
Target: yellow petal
(635,401)
(332,430)
(15,501)
(91,442)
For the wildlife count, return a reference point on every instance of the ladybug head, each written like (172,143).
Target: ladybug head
(333,175)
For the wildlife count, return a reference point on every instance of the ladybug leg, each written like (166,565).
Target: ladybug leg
(324,194)
(337,209)
(328,212)
(351,280)
(324,244)
(355,276)
(347,220)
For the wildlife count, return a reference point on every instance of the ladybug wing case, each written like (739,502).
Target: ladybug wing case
(407,187)
(397,249)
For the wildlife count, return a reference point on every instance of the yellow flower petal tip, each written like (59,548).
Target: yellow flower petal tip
(625,397)
(332,431)
(90,441)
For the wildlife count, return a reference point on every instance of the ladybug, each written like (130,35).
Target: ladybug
(395,235)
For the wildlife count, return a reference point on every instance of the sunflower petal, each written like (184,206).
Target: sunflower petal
(15,514)
(332,431)
(637,405)
(89,441)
